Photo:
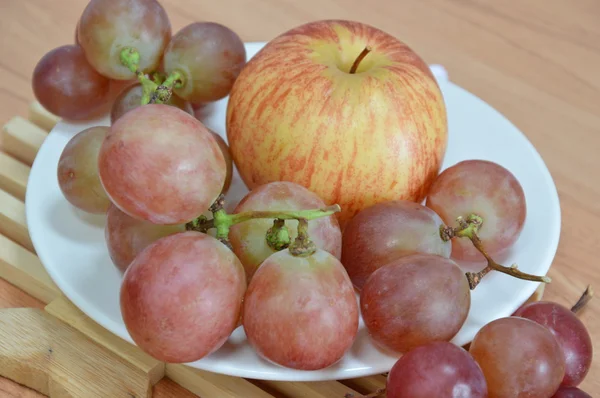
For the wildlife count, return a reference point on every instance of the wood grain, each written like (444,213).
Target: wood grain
(535,61)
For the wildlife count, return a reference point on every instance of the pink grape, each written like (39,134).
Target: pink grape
(67,86)
(210,57)
(248,238)
(387,231)
(571,333)
(161,165)
(181,297)
(487,190)
(131,98)
(78,171)
(301,312)
(108,26)
(126,236)
(228,160)
(436,370)
(519,358)
(415,300)
(571,392)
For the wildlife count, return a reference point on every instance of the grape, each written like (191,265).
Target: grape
(131,98)
(570,392)
(126,236)
(210,57)
(228,161)
(571,334)
(487,190)
(387,231)
(67,86)
(519,358)
(181,297)
(436,370)
(415,300)
(78,171)
(161,165)
(248,238)
(301,312)
(107,27)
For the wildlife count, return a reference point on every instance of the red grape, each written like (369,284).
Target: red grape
(519,358)
(248,238)
(415,300)
(78,171)
(161,165)
(301,312)
(67,86)
(571,334)
(570,392)
(436,370)
(126,236)
(387,231)
(108,26)
(210,57)
(131,98)
(487,190)
(228,161)
(181,297)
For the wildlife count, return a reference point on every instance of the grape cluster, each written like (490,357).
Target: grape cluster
(279,265)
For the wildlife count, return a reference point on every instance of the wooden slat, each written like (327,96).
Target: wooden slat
(22,139)
(45,354)
(208,385)
(317,389)
(24,270)
(64,310)
(41,117)
(366,385)
(12,220)
(13,176)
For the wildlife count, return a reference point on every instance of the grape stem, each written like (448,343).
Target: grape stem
(468,229)
(153,91)
(223,221)
(358,59)
(278,236)
(585,298)
(303,246)
(378,393)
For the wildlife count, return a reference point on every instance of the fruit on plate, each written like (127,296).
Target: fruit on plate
(387,231)
(248,238)
(161,165)
(519,358)
(106,27)
(181,297)
(438,369)
(299,112)
(78,171)
(300,310)
(491,192)
(415,300)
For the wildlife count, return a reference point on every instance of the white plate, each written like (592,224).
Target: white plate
(71,244)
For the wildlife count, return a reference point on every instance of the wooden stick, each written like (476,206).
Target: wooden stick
(41,117)
(12,220)
(22,139)
(13,176)
(317,389)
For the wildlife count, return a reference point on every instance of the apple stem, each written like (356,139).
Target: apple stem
(583,300)
(468,229)
(223,222)
(360,57)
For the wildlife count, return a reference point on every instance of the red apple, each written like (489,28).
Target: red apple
(297,113)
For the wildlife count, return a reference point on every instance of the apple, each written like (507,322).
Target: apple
(297,112)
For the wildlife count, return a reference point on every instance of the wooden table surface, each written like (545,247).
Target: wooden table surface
(536,61)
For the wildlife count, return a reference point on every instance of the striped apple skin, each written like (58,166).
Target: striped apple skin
(296,114)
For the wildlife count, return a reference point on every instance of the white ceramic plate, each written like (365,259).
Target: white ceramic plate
(71,244)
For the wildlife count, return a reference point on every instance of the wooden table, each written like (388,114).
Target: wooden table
(537,62)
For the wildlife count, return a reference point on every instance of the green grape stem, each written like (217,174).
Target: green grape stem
(223,222)
(153,92)
(302,246)
(278,236)
(468,229)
